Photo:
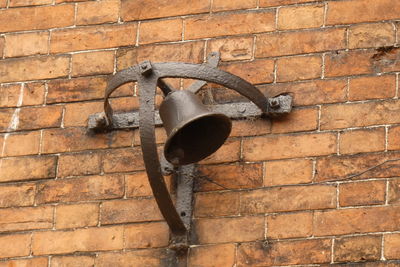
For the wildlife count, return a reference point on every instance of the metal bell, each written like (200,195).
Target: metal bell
(193,131)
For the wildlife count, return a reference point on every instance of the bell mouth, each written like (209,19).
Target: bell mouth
(197,139)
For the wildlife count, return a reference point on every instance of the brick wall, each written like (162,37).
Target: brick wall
(316,188)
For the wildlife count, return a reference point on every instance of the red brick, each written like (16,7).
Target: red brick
(71,261)
(79,164)
(310,92)
(80,189)
(223,230)
(3,3)
(10,95)
(216,204)
(357,141)
(376,87)
(371,35)
(268,3)
(347,221)
(349,63)
(106,11)
(284,252)
(291,43)
(135,210)
(5,118)
(160,31)
(17,195)
(27,44)
(394,138)
(17,245)
(34,68)
(298,68)
(212,256)
(258,71)
(229,24)
(20,219)
(27,168)
(368,193)
(18,3)
(137,185)
(133,10)
(236,176)
(22,144)
(280,147)
(76,89)
(237,48)
(291,225)
(394,191)
(33,94)
(92,63)
(392,247)
(286,172)
(359,114)
(250,127)
(386,59)
(92,38)
(37,262)
(360,248)
(137,258)
(229,152)
(298,120)
(79,215)
(90,239)
(291,198)
(123,160)
(355,11)
(31,18)
(40,117)
(148,235)
(299,17)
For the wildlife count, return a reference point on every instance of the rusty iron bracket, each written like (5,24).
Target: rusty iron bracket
(149,76)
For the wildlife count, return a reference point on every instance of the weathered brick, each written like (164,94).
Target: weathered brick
(79,215)
(79,164)
(291,43)
(394,138)
(212,256)
(92,63)
(286,172)
(31,18)
(368,193)
(230,176)
(137,258)
(71,261)
(10,95)
(135,210)
(392,247)
(284,252)
(250,127)
(292,225)
(387,59)
(27,168)
(349,63)
(216,204)
(376,87)
(106,11)
(229,24)
(148,235)
(81,189)
(123,160)
(90,239)
(299,120)
(22,144)
(359,248)
(3,3)
(6,118)
(259,148)
(17,245)
(33,94)
(92,38)
(357,141)
(18,3)
(27,44)
(355,11)
(258,71)
(298,68)
(77,114)
(160,31)
(291,198)
(347,221)
(299,17)
(223,230)
(237,48)
(371,35)
(35,68)
(20,219)
(394,191)
(137,185)
(228,152)
(310,92)
(133,10)
(37,262)
(359,114)
(17,195)
(40,117)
